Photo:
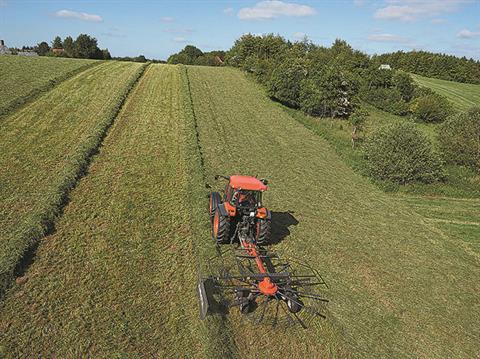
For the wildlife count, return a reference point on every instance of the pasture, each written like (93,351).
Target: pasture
(462,96)
(24,78)
(105,226)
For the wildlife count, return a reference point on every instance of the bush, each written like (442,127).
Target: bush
(400,153)
(459,138)
(431,108)
(285,82)
(386,99)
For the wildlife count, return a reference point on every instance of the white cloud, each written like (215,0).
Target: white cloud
(467,34)
(387,38)
(179,39)
(167,19)
(78,15)
(228,10)
(272,9)
(410,10)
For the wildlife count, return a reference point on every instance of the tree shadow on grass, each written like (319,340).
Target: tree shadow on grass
(280,223)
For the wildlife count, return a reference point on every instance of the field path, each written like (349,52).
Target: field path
(398,287)
(117,277)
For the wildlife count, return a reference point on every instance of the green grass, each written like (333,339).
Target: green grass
(118,276)
(462,96)
(399,287)
(23,78)
(458,217)
(46,146)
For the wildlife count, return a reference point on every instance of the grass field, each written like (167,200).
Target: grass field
(117,277)
(23,78)
(45,147)
(116,274)
(399,287)
(462,96)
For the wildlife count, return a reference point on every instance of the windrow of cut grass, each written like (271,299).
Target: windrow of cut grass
(398,286)
(117,278)
(462,96)
(46,147)
(24,78)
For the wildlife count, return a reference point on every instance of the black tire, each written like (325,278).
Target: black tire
(264,229)
(244,303)
(213,203)
(220,228)
(294,305)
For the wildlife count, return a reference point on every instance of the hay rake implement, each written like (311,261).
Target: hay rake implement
(264,286)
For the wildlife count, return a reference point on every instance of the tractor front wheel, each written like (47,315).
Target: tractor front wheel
(220,228)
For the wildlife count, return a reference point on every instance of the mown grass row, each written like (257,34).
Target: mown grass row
(118,276)
(462,96)
(46,148)
(22,79)
(399,287)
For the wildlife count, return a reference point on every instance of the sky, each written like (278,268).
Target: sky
(157,29)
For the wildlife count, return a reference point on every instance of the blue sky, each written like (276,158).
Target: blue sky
(160,28)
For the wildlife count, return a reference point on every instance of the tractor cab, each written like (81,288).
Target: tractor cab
(244,192)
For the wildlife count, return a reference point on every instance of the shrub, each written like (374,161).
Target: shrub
(285,82)
(400,153)
(387,99)
(431,108)
(403,82)
(459,138)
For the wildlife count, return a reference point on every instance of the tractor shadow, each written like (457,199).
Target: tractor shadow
(280,223)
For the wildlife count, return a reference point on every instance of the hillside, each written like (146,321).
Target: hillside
(116,273)
(462,96)
(23,78)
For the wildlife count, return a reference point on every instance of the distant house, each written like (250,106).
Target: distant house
(3,49)
(218,60)
(58,51)
(27,53)
(384,67)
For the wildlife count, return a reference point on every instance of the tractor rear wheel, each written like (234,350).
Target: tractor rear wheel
(213,203)
(264,228)
(220,227)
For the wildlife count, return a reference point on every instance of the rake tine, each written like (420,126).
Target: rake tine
(275,320)
(264,303)
(304,326)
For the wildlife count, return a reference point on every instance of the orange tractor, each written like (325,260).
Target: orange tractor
(243,196)
(261,283)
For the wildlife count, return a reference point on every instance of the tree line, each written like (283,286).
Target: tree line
(192,55)
(440,66)
(84,47)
